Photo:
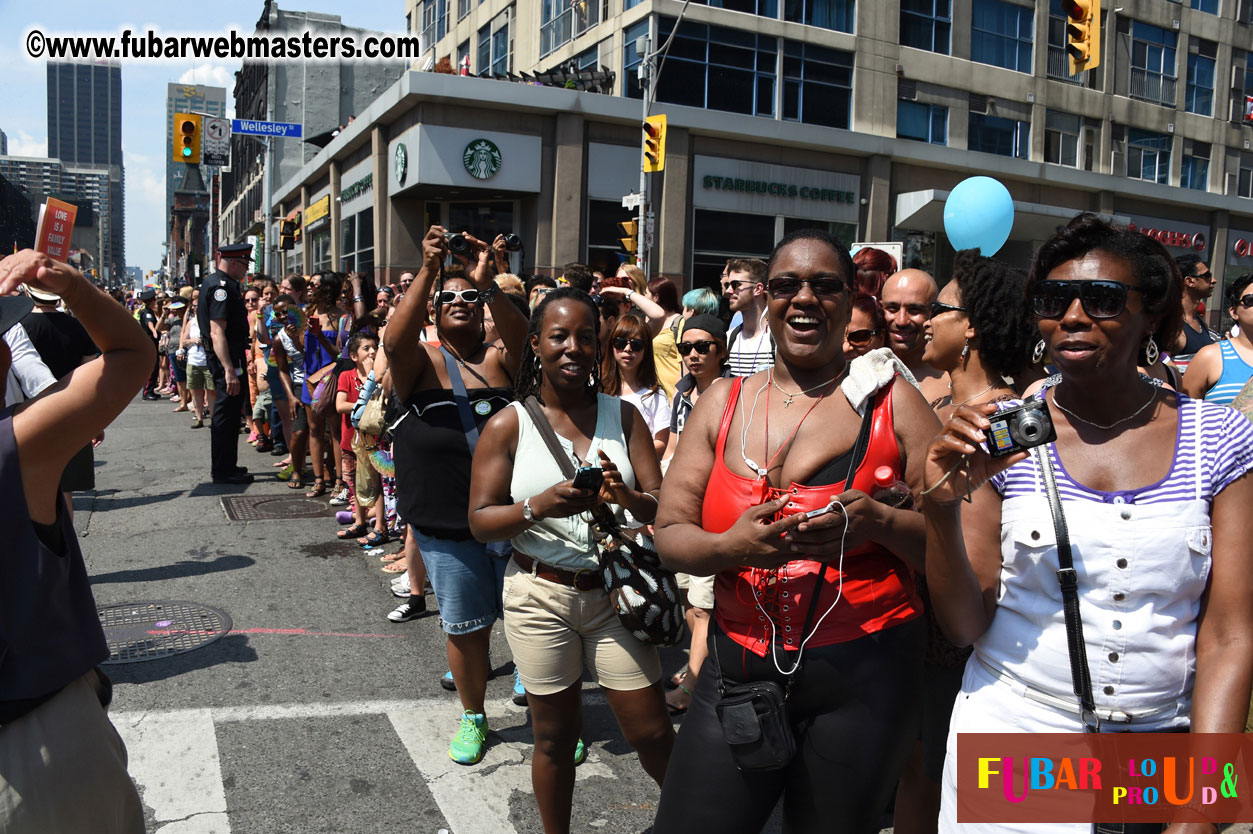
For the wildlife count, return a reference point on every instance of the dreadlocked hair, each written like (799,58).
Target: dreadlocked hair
(530,374)
(994,295)
(446,274)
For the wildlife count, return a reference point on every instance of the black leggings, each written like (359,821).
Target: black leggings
(855,709)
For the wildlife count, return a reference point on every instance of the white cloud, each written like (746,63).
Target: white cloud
(23,144)
(210,75)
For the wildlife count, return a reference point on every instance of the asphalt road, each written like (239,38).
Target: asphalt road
(314,714)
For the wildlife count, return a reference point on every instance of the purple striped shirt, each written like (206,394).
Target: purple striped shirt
(1213,448)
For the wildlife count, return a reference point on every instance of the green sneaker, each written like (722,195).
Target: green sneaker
(580,753)
(467,744)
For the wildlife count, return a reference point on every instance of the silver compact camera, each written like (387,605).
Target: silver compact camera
(1015,429)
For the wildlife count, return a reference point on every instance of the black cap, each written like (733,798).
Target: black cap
(13,308)
(710,324)
(147,294)
(232,249)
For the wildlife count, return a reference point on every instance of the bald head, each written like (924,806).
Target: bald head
(907,298)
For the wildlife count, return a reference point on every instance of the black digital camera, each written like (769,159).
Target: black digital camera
(457,243)
(1015,429)
(513,243)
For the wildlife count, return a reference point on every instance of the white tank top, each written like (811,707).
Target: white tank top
(565,542)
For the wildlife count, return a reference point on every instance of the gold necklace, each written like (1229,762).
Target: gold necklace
(790,397)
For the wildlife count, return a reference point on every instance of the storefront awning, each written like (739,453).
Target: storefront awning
(923,211)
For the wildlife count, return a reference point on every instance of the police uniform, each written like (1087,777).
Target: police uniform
(148,321)
(222,298)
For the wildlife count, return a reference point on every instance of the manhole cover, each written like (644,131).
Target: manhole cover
(258,507)
(139,631)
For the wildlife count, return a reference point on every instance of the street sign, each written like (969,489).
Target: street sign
(215,142)
(253,127)
(632,201)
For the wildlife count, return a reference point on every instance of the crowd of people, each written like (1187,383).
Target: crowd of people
(862,555)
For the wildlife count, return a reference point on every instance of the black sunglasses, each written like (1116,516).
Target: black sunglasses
(938,307)
(702,347)
(786,287)
(859,337)
(1246,301)
(621,343)
(1100,299)
(468,296)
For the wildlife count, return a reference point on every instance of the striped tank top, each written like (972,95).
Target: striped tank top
(1236,373)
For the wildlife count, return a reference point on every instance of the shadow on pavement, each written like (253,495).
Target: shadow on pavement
(233,648)
(103,502)
(178,570)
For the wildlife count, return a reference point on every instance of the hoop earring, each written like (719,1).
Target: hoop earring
(1038,353)
(1151,352)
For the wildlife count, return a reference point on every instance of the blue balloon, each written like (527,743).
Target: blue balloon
(979,214)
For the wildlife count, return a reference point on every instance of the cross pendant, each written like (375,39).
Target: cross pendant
(787,402)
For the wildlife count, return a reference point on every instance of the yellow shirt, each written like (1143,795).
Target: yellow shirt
(666,358)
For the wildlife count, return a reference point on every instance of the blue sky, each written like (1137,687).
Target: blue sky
(24,117)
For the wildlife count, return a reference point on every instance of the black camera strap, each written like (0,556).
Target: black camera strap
(1081,678)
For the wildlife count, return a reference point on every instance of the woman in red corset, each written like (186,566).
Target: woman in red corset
(822,605)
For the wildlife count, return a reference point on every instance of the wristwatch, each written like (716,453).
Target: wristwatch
(528,514)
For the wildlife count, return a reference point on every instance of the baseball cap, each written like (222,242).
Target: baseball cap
(13,308)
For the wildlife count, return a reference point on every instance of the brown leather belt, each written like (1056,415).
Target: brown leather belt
(585,579)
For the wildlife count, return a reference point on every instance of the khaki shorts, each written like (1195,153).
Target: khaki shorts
(553,630)
(700,590)
(63,769)
(199,378)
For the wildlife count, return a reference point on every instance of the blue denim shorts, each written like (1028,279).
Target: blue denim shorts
(468,580)
(277,392)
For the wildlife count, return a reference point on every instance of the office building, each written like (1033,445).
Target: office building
(320,96)
(85,128)
(892,102)
(86,186)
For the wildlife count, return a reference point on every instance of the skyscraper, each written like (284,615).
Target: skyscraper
(85,128)
(186,98)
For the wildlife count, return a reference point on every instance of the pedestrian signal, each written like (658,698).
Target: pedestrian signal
(1083,34)
(630,234)
(187,138)
(655,143)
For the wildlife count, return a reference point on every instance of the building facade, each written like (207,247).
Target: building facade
(185,98)
(321,97)
(86,186)
(85,129)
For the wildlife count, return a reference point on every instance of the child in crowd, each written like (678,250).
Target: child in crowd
(361,350)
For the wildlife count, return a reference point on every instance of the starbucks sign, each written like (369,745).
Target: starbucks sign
(482,159)
(402,163)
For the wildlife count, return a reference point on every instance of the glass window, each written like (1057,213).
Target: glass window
(923,122)
(463,8)
(993,134)
(1001,34)
(631,59)
(1061,138)
(441,19)
(1208,6)
(719,69)
(604,252)
(719,235)
(764,8)
(817,84)
(1244,183)
(1199,97)
(563,20)
(485,49)
(587,58)
(630,4)
(1148,155)
(1153,71)
(839,15)
(502,54)
(463,52)
(1195,172)
(926,24)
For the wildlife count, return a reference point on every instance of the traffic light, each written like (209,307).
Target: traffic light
(287,235)
(187,138)
(655,143)
(1083,34)
(630,234)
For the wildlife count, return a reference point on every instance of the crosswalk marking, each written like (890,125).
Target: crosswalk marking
(174,759)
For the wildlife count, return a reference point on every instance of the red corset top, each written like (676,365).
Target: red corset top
(878,591)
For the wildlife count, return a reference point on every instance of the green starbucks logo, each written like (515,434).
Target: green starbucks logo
(402,163)
(482,159)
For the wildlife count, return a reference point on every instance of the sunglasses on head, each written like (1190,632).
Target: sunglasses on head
(786,287)
(621,342)
(470,296)
(1100,299)
(702,347)
(938,307)
(859,337)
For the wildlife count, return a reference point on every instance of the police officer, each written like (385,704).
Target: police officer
(222,317)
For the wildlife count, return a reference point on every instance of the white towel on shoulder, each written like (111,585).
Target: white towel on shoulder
(869,373)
